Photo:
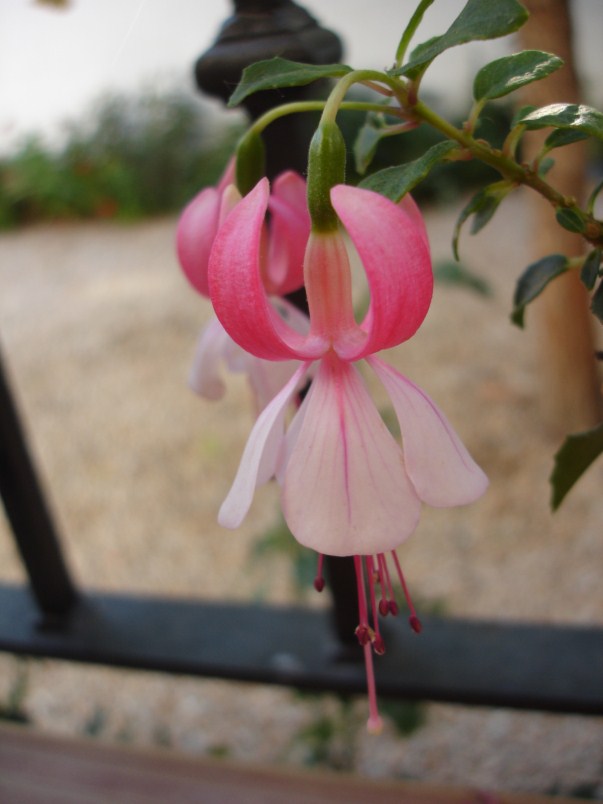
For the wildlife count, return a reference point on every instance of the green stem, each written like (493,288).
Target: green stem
(509,168)
(336,101)
(318,106)
(410,29)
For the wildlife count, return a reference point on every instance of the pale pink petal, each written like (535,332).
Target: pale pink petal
(438,464)
(395,256)
(260,457)
(236,287)
(289,232)
(204,377)
(346,491)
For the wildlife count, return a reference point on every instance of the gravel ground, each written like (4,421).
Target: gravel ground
(99,328)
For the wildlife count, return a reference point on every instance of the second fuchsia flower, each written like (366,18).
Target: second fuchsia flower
(283,243)
(348,488)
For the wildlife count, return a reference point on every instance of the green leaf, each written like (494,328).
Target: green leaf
(573,459)
(520,114)
(395,182)
(577,117)
(505,75)
(367,141)
(279,73)
(590,268)
(596,304)
(570,219)
(534,280)
(453,273)
(480,19)
(545,165)
(563,136)
(483,205)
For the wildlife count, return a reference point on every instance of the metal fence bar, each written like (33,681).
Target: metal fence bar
(28,513)
(484,663)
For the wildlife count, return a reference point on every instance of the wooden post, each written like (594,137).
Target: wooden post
(560,319)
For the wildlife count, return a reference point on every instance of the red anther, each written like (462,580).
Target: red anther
(415,623)
(383,607)
(393,607)
(363,634)
(319,583)
(379,645)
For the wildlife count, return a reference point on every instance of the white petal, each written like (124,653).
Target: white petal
(346,491)
(439,465)
(260,456)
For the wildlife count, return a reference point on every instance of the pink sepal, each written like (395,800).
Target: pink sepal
(236,288)
(393,249)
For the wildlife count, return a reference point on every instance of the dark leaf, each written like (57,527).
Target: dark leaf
(570,219)
(279,73)
(563,136)
(505,75)
(572,460)
(590,268)
(395,182)
(453,273)
(534,280)
(581,118)
(483,205)
(596,304)
(367,141)
(480,19)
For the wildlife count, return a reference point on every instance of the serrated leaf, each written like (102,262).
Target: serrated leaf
(596,303)
(482,205)
(563,136)
(534,280)
(590,268)
(577,117)
(453,273)
(570,219)
(395,182)
(505,75)
(574,457)
(366,143)
(480,19)
(279,73)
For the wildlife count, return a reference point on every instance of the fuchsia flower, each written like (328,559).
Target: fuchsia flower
(283,243)
(348,488)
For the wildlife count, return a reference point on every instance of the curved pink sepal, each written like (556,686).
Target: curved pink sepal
(394,252)
(438,464)
(236,288)
(345,491)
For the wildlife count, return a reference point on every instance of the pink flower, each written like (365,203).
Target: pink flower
(283,244)
(348,488)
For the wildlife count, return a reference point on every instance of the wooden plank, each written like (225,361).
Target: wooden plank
(519,665)
(42,769)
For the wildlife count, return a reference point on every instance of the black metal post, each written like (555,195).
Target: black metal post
(260,29)
(29,515)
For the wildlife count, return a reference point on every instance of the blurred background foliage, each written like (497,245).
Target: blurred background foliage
(148,154)
(134,157)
